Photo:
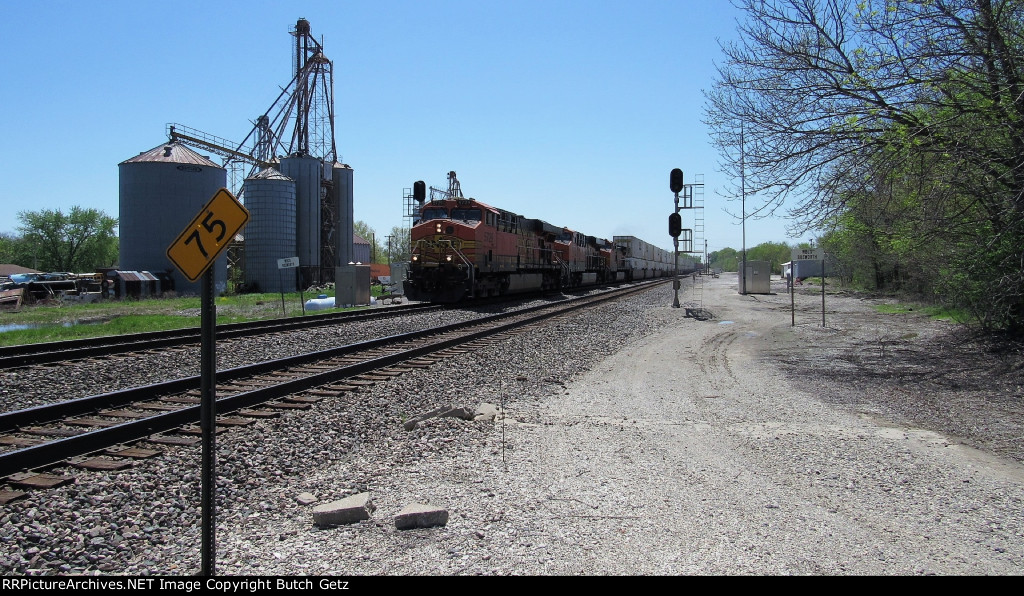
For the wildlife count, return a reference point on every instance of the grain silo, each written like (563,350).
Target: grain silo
(160,191)
(270,233)
(307,172)
(342,177)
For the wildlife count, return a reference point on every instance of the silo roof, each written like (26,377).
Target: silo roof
(269,174)
(171,153)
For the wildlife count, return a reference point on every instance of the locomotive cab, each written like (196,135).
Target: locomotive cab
(444,250)
(462,248)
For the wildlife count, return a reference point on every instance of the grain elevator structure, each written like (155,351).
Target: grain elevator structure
(287,174)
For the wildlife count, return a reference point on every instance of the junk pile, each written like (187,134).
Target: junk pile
(30,288)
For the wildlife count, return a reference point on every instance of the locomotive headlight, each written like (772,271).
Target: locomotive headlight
(415,257)
(437,228)
(448,258)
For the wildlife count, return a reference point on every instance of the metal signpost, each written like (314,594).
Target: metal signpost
(193,253)
(282,264)
(806,254)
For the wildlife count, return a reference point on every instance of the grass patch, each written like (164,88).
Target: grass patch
(60,322)
(939,313)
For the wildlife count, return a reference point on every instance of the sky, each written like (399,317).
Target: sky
(573,112)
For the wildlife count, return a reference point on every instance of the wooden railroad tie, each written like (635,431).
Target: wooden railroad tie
(158,407)
(36,480)
(54,432)
(6,496)
(287,406)
(123,414)
(259,414)
(234,421)
(19,441)
(133,452)
(173,440)
(196,430)
(181,399)
(93,422)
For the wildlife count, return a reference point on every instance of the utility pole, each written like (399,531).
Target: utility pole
(743,202)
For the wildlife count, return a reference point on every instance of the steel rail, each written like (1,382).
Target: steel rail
(45,353)
(55,451)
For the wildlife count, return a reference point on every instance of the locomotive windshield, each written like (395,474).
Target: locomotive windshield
(434,213)
(466,214)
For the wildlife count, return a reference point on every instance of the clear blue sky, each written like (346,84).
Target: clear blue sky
(573,112)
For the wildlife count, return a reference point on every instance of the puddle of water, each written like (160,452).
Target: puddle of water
(725,322)
(23,326)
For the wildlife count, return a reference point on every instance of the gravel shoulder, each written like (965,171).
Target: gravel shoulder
(697,451)
(635,441)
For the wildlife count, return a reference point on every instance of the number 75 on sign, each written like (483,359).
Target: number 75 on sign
(208,234)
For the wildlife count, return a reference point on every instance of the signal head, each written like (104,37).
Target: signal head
(675,180)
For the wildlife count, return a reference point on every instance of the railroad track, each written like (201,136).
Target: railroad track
(45,353)
(106,431)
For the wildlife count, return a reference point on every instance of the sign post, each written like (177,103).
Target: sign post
(193,253)
(289,263)
(806,254)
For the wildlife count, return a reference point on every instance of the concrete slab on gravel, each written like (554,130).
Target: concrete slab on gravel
(345,511)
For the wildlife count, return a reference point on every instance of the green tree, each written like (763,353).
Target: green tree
(775,253)
(80,241)
(15,250)
(399,244)
(726,259)
(378,247)
(910,104)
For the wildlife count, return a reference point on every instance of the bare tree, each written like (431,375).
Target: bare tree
(833,96)
(400,247)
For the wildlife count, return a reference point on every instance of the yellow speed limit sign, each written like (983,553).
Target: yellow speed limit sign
(208,235)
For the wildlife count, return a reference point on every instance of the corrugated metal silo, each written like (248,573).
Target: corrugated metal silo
(342,177)
(307,173)
(270,233)
(160,191)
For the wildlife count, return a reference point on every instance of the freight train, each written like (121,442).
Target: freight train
(462,248)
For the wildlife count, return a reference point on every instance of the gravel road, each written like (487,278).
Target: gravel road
(635,441)
(689,452)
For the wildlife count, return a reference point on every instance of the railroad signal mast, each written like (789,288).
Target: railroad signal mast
(415,197)
(687,192)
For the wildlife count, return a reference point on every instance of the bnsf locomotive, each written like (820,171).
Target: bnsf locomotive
(462,248)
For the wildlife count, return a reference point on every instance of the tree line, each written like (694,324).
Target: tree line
(775,253)
(81,240)
(84,240)
(895,129)
(391,248)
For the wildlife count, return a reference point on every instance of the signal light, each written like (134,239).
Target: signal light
(675,180)
(419,191)
(675,225)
